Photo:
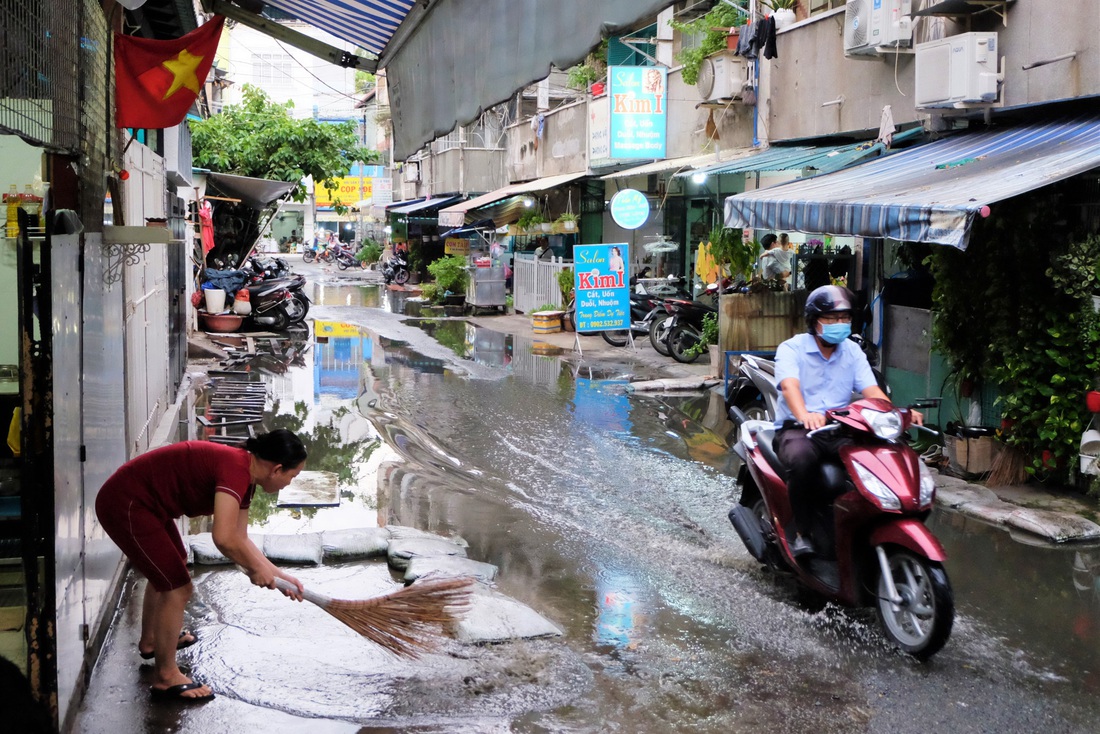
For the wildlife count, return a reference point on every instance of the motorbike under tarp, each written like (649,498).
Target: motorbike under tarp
(242,208)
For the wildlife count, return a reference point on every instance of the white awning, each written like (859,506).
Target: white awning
(455,216)
(686,163)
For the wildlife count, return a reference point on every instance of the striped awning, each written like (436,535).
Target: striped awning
(930,193)
(369,24)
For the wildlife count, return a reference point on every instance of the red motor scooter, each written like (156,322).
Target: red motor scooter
(873,546)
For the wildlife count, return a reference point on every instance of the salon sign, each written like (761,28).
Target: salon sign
(600,282)
(639,111)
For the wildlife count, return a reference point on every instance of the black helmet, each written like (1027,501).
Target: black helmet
(827,299)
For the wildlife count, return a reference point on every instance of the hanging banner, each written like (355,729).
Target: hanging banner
(638,111)
(350,191)
(600,281)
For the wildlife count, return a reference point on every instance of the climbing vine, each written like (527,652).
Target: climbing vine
(1015,311)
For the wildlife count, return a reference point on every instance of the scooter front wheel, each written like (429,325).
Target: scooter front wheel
(616,337)
(308,256)
(921,622)
(658,334)
(401,277)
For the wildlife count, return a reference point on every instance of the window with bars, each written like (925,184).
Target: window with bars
(272,71)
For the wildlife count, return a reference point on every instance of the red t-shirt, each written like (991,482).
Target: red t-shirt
(183,478)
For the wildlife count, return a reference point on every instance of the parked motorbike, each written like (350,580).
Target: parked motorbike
(268,267)
(272,306)
(396,269)
(685,328)
(873,546)
(345,258)
(293,282)
(643,310)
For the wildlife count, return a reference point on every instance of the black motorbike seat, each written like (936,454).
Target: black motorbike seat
(764,440)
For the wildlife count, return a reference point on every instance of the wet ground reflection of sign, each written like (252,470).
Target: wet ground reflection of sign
(621,610)
(599,404)
(341,351)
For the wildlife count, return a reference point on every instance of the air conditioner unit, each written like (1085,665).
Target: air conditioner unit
(412,172)
(720,77)
(958,71)
(877,26)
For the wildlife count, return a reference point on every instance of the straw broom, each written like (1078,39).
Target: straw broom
(406,622)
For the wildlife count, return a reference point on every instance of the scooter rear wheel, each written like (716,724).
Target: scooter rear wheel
(342,263)
(295,309)
(921,623)
(680,341)
(308,256)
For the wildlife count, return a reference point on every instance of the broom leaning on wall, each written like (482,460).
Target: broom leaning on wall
(407,622)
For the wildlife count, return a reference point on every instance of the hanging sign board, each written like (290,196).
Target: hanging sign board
(629,208)
(456,246)
(600,281)
(639,105)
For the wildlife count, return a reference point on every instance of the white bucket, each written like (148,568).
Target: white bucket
(215,300)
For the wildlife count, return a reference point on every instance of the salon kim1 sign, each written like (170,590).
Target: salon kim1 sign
(600,282)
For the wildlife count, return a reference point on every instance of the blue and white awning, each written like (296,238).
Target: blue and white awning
(930,193)
(369,24)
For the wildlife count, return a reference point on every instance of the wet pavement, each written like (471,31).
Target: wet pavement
(605,512)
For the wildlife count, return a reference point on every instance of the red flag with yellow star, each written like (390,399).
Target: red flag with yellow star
(157,81)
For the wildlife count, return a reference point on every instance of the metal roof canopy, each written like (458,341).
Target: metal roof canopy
(688,163)
(422,207)
(447,61)
(455,216)
(930,193)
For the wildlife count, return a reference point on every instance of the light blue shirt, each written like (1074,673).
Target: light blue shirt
(826,383)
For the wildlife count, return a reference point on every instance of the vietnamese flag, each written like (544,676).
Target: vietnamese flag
(157,81)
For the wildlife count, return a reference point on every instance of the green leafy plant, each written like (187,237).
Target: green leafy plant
(591,70)
(1020,318)
(546,307)
(370,252)
(713,27)
(565,284)
(781,4)
(431,292)
(262,139)
(568,218)
(729,248)
(709,336)
(450,273)
(530,219)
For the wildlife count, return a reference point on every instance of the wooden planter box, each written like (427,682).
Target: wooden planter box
(750,322)
(546,322)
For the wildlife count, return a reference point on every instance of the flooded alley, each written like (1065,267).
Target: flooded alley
(605,512)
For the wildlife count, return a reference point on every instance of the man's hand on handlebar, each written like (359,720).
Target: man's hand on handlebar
(916,417)
(813,421)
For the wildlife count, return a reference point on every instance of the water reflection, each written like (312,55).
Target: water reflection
(369,296)
(1041,598)
(622,610)
(484,346)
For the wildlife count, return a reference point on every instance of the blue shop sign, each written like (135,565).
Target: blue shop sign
(639,111)
(600,276)
(629,208)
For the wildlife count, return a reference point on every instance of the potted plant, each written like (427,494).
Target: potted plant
(783,11)
(568,221)
(450,277)
(565,285)
(707,343)
(370,252)
(714,27)
(530,220)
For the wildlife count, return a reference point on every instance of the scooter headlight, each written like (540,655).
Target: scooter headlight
(886,425)
(927,486)
(885,496)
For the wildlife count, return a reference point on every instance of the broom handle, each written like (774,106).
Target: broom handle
(311,596)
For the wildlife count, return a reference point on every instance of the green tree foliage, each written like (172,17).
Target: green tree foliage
(713,28)
(1015,311)
(260,138)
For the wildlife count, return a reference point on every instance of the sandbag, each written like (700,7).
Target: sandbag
(355,543)
(300,548)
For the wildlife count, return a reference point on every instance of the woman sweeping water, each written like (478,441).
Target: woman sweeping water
(138,507)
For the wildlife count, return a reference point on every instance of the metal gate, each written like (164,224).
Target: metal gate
(535,282)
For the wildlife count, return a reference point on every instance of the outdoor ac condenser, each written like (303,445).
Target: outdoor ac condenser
(720,77)
(957,71)
(877,26)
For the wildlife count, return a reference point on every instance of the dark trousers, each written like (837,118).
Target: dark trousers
(802,457)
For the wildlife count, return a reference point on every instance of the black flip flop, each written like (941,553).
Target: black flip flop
(175,693)
(179,645)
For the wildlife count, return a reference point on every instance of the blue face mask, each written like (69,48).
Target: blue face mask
(835,333)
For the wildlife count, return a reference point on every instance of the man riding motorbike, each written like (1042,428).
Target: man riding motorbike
(817,371)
